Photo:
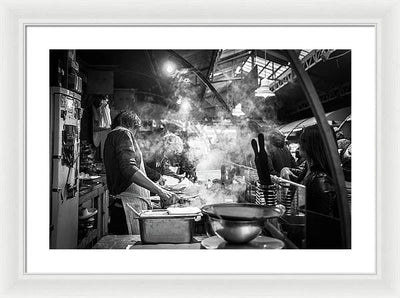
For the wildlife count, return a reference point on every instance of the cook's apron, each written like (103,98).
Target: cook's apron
(135,197)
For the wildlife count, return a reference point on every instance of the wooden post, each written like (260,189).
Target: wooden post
(329,144)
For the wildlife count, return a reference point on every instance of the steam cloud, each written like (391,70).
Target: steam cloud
(209,145)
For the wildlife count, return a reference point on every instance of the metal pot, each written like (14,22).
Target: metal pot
(234,231)
(237,223)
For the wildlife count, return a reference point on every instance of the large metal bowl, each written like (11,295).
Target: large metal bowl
(238,223)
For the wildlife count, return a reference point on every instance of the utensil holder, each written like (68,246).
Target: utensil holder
(286,198)
(266,194)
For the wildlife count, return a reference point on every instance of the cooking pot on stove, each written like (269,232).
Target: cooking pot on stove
(238,223)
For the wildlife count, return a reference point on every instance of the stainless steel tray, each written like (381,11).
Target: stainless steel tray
(161,227)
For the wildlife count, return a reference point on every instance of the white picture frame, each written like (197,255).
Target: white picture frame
(13,281)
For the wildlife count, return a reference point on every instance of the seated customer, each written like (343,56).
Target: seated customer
(166,159)
(297,173)
(322,222)
(345,158)
(278,153)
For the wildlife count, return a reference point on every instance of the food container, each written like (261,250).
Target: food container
(158,226)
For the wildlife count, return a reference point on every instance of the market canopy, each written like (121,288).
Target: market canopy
(338,115)
(292,126)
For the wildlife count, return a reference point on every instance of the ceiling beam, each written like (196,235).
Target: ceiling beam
(274,56)
(273,76)
(227,80)
(202,77)
(210,69)
(265,66)
(234,56)
(153,67)
(308,61)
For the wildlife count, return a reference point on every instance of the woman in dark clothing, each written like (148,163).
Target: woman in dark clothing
(322,223)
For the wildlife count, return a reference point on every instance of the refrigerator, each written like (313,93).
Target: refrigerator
(65,115)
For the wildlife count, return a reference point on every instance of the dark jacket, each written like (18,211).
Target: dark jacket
(322,224)
(279,154)
(122,160)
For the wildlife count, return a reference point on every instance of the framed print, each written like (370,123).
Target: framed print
(359,259)
(370,31)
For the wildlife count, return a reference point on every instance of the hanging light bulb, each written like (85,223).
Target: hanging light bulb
(263,90)
(237,111)
(169,68)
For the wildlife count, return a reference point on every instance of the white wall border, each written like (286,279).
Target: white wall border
(14,283)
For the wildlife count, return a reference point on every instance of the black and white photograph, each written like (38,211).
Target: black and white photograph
(200,149)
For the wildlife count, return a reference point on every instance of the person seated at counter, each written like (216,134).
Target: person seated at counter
(169,159)
(278,153)
(187,167)
(297,173)
(342,142)
(126,176)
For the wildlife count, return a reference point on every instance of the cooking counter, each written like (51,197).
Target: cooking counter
(209,193)
(133,242)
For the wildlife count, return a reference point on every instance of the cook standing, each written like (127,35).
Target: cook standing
(126,174)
